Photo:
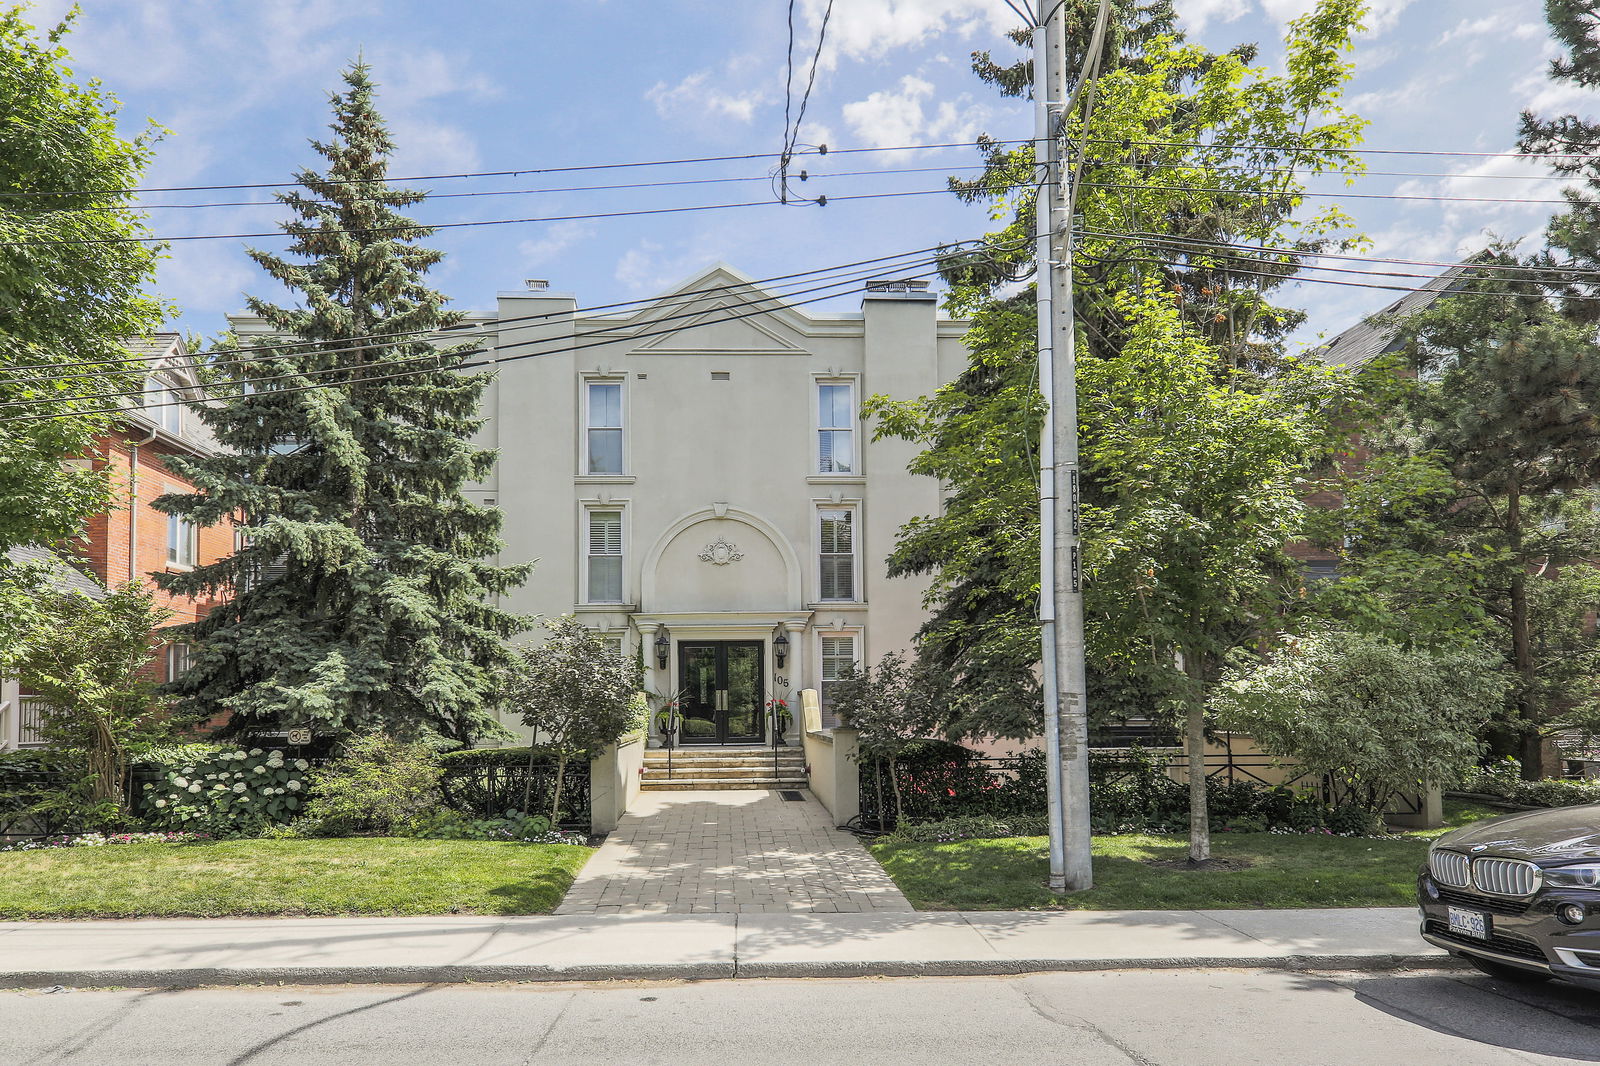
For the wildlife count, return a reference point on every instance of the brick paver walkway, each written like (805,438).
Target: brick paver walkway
(734,851)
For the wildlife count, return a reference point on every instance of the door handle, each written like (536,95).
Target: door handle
(722,699)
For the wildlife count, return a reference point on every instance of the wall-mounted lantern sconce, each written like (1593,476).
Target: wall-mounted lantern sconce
(780,649)
(663,646)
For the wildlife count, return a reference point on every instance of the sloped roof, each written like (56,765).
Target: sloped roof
(61,575)
(1366,340)
(167,355)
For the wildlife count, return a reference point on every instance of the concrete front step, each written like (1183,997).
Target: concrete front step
(732,760)
(653,754)
(659,773)
(718,784)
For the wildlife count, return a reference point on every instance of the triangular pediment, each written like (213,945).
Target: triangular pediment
(721,324)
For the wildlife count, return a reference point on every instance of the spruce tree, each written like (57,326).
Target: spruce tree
(359,598)
(1508,401)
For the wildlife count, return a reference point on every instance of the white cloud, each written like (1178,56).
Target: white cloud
(1198,14)
(1382,15)
(695,95)
(870,29)
(898,116)
(408,78)
(424,146)
(558,237)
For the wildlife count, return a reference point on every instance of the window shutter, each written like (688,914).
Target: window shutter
(605,556)
(605,533)
(837,556)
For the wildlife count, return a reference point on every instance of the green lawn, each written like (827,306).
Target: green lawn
(371,876)
(1009,873)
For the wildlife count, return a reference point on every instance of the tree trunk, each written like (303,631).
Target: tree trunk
(1532,748)
(894,782)
(555,798)
(1199,816)
(527,782)
(877,784)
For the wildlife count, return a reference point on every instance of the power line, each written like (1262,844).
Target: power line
(844,284)
(1326,195)
(417,228)
(1183,265)
(759,306)
(883,262)
(1197,246)
(1352,151)
(811,79)
(136,190)
(883,172)
(1313,173)
(465,175)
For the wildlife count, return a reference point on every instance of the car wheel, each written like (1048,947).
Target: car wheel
(1508,973)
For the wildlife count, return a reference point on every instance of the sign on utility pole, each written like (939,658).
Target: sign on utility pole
(1066,720)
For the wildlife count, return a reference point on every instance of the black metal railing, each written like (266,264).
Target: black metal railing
(490,789)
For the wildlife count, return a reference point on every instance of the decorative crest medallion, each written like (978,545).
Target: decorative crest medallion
(720,553)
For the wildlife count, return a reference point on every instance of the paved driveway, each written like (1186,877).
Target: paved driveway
(733,851)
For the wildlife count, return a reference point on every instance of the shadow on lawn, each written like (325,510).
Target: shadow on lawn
(538,894)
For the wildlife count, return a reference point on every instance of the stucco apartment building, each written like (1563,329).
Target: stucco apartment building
(693,479)
(131,540)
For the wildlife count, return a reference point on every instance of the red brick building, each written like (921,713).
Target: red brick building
(132,540)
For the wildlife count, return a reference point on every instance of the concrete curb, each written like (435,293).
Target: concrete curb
(210,976)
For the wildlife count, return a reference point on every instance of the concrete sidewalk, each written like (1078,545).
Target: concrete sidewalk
(599,947)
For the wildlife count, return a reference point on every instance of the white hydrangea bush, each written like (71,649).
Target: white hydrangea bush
(231,793)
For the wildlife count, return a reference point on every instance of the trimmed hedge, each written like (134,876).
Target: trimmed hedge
(1552,792)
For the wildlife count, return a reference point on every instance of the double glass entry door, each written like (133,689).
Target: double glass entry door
(720,692)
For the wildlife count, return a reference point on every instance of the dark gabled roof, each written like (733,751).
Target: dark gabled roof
(1367,340)
(62,576)
(166,355)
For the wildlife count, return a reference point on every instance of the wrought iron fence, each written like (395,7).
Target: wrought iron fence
(1129,785)
(490,789)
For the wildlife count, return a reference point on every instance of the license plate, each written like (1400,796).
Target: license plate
(1469,923)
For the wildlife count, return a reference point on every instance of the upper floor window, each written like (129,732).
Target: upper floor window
(837,552)
(836,428)
(603,427)
(605,557)
(182,541)
(179,657)
(163,405)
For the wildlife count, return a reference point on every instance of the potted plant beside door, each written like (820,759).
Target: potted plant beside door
(778,711)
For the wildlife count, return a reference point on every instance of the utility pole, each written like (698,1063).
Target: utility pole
(1066,720)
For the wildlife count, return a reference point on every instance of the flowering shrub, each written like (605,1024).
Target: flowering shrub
(232,793)
(100,840)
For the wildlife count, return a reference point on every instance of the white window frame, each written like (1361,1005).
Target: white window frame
(854,511)
(829,717)
(161,398)
(586,556)
(183,540)
(585,461)
(852,426)
(179,658)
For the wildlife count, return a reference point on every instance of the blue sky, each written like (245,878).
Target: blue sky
(493,85)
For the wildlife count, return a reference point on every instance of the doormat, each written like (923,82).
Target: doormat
(790,796)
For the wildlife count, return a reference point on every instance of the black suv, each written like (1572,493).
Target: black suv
(1519,896)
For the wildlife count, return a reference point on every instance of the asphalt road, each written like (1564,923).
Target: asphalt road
(1143,1018)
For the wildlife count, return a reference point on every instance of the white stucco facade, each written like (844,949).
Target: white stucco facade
(722,486)
(721,519)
